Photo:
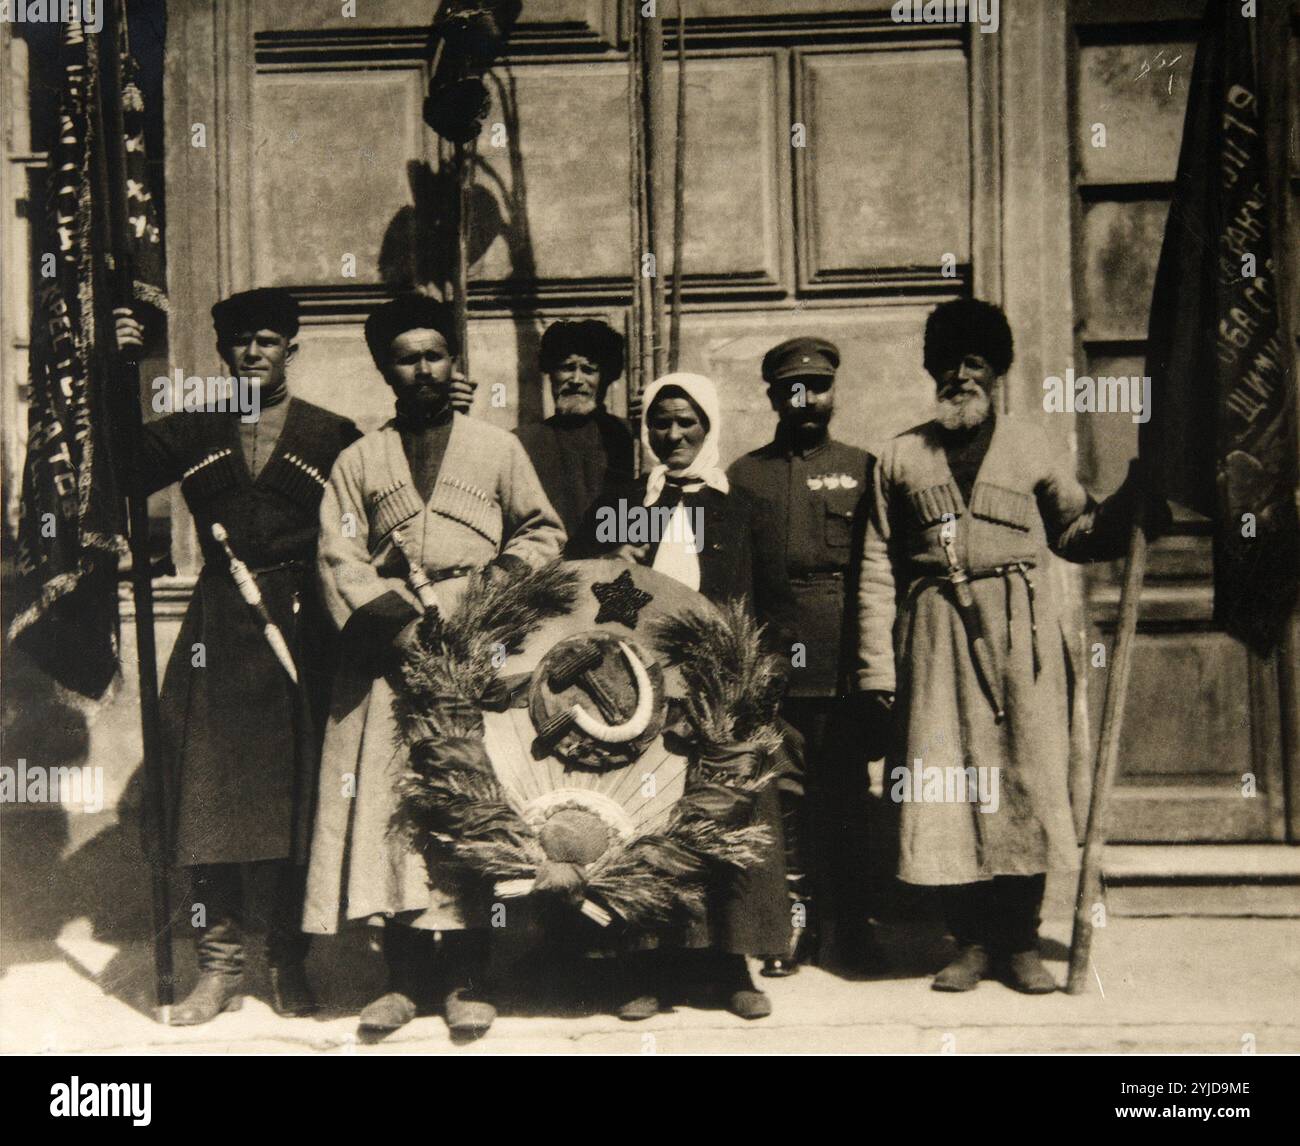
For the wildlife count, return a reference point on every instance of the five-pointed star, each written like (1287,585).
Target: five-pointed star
(620,600)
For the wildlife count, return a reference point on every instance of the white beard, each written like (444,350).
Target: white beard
(963,411)
(577,405)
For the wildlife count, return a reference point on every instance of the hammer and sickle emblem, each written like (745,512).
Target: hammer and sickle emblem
(635,724)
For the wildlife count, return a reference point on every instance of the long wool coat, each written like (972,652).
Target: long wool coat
(749,913)
(240,742)
(486,505)
(1025,501)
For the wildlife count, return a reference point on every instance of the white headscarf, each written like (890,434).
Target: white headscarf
(704,468)
(676,554)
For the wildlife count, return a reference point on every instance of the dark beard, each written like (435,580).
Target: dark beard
(963,412)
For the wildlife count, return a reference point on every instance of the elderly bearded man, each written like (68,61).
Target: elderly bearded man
(980,667)
(582,448)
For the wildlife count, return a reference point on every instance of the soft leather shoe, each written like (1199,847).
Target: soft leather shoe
(637,1008)
(1026,973)
(779,968)
(749,1003)
(216,991)
(466,1015)
(965,972)
(388,1012)
(291,994)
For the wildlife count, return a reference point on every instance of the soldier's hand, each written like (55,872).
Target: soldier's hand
(634,408)
(462,392)
(130,334)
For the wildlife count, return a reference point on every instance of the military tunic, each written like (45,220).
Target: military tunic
(814,497)
(240,742)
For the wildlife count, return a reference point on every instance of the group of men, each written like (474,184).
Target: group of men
(926,632)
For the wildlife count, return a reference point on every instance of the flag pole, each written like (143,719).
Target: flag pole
(127,389)
(1088,896)
(652,64)
(679,198)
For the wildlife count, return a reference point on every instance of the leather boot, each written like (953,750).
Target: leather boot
(965,972)
(291,993)
(638,990)
(804,931)
(1026,973)
(216,991)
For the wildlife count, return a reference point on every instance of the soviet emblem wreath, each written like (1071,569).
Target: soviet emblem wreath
(592,730)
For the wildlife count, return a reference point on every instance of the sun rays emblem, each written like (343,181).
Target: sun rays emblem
(596,700)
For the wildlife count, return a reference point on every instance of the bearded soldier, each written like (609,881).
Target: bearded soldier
(957,616)
(464,495)
(241,737)
(582,448)
(814,485)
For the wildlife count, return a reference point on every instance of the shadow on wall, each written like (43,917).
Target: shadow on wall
(418,250)
(75,884)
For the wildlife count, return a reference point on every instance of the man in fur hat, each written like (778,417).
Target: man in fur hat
(241,738)
(957,613)
(464,495)
(581,448)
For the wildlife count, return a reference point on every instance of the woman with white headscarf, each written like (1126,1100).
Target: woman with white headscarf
(714,541)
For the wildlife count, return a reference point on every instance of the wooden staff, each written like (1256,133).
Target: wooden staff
(1112,724)
(679,198)
(110,173)
(652,66)
(464,167)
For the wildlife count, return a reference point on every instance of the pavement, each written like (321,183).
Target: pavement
(1167,985)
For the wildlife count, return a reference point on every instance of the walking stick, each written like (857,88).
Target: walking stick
(1112,723)
(112,167)
(246,583)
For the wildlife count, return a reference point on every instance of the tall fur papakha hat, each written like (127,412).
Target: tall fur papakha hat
(409,312)
(967,326)
(267,308)
(589,337)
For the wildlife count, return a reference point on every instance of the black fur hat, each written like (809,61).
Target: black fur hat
(409,312)
(589,337)
(964,326)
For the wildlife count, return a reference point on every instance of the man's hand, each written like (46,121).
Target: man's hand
(408,638)
(462,392)
(633,554)
(130,334)
(874,713)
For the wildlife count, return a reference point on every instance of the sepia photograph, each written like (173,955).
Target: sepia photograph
(651,527)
